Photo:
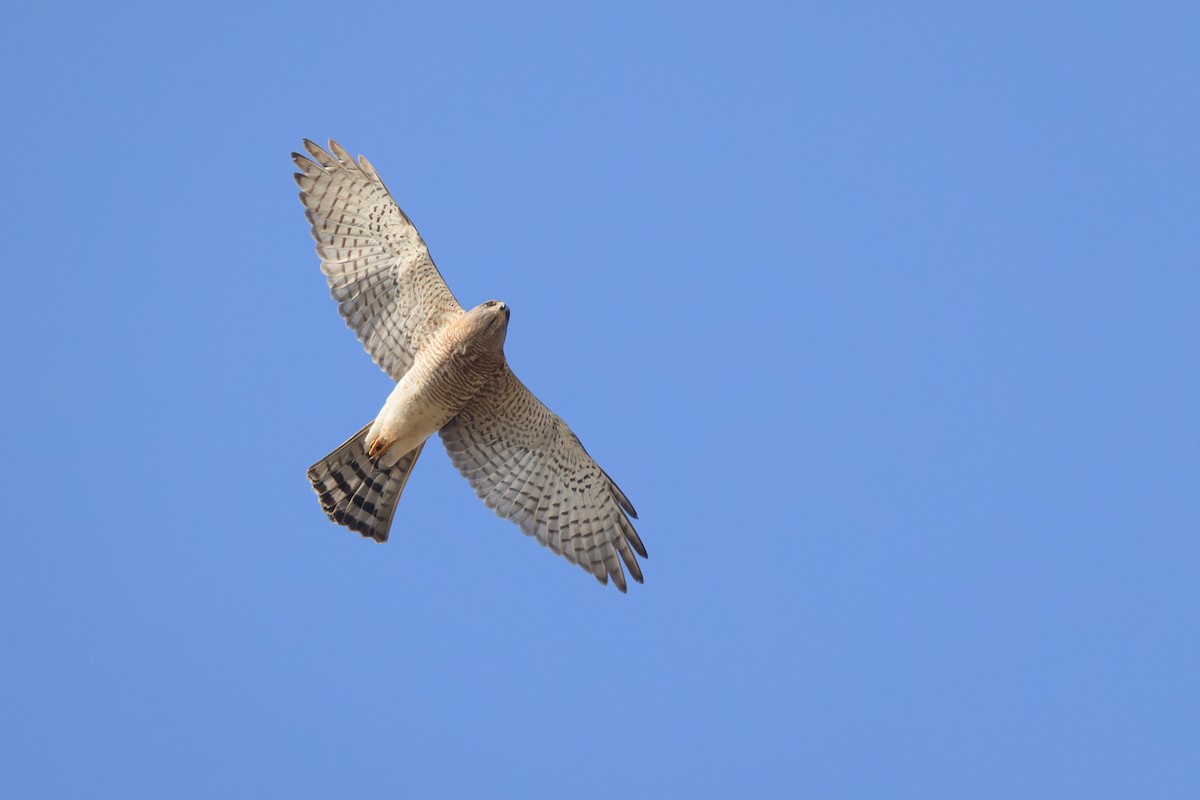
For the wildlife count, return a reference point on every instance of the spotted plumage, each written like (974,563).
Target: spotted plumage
(451,378)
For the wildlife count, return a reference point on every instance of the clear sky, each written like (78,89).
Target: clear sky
(885,316)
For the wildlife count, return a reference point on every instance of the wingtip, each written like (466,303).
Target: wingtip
(618,579)
(625,504)
(631,535)
(318,154)
(369,168)
(622,500)
(306,165)
(340,153)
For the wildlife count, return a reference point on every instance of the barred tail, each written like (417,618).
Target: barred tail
(356,493)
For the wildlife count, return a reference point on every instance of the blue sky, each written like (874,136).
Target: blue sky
(885,317)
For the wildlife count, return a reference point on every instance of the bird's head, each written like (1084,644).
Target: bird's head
(489,321)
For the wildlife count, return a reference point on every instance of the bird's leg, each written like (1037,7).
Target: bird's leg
(379,447)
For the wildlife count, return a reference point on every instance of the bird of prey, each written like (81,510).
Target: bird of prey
(451,378)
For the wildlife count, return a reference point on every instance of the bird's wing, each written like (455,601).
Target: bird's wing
(378,267)
(526,465)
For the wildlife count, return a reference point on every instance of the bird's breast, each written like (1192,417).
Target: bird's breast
(446,375)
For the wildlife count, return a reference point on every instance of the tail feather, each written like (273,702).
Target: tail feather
(356,493)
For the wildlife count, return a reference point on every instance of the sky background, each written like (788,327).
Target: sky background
(884,316)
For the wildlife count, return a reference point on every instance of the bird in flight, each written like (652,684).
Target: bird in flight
(451,378)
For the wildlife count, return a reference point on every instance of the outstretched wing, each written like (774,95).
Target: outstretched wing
(527,466)
(377,265)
